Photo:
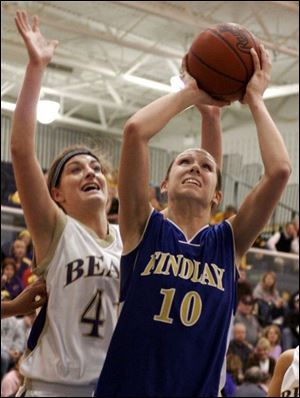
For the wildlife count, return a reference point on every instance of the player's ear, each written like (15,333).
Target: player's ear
(216,200)
(57,195)
(164,187)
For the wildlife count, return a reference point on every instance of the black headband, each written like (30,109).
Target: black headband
(63,161)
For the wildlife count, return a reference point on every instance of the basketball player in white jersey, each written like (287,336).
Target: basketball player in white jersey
(285,380)
(76,250)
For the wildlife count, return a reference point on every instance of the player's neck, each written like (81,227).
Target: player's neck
(98,224)
(190,220)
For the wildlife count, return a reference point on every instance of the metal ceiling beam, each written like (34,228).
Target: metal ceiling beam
(181,16)
(89,28)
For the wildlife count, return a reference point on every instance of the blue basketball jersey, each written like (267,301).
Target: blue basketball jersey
(179,297)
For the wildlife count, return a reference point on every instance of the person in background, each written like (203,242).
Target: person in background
(282,241)
(270,304)
(9,280)
(273,334)
(252,385)
(26,238)
(290,327)
(261,357)
(23,264)
(245,315)
(244,287)
(234,374)
(239,345)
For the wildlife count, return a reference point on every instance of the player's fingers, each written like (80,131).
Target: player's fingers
(35,23)
(255,58)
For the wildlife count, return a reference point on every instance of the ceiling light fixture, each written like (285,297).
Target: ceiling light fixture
(47,111)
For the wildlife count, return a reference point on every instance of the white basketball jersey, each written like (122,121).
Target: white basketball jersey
(82,275)
(290,382)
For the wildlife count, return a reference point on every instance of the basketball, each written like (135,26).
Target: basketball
(220,60)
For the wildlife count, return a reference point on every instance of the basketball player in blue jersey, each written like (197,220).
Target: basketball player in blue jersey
(76,250)
(178,274)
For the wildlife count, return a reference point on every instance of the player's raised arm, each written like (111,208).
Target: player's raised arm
(39,210)
(258,206)
(134,163)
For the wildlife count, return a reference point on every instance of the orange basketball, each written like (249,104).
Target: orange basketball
(220,60)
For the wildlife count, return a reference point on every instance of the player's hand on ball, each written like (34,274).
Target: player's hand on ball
(261,76)
(201,97)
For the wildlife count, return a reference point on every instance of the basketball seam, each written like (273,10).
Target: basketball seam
(213,92)
(216,70)
(215,33)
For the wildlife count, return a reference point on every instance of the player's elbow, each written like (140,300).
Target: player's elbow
(281,173)
(133,130)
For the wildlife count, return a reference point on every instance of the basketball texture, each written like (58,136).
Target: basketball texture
(220,60)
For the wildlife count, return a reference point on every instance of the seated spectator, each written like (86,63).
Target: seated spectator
(290,327)
(246,316)
(273,334)
(282,240)
(223,215)
(270,304)
(13,343)
(234,375)
(26,238)
(23,264)
(9,280)
(295,243)
(11,381)
(239,345)
(243,286)
(252,384)
(261,357)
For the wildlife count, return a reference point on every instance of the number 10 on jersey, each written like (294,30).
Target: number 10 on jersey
(190,308)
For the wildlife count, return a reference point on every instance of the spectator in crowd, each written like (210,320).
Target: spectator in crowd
(244,287)
(25,236)
(9,280)
(270,304)
(282,240)
(112,207)
(295,242)
(12,343)
(273,334)
(261,357)
(11,381)
(239,345)
(23,264)
(246,316)
(220,216)
(234,375)
(290,327)
(252,386)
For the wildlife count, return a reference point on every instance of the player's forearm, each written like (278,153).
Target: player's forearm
(24,118)
(211,135)
(154,117)
(7,309)
(273,151)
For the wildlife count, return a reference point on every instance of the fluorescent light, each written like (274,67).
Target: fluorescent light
(47,111)
(281,91)
(8,106)
(176,83)
(148,83)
